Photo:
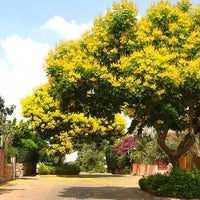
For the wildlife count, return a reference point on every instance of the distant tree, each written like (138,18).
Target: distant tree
(91,158)
(27,142)
(6,126)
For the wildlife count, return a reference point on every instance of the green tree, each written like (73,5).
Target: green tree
(27,142)
(149,67)
(92,158)
(6,126)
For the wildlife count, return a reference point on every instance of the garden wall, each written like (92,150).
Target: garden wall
(141,169)
(2,164)
(9,172)
(159,166)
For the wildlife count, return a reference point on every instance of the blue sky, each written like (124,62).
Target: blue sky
(30,28)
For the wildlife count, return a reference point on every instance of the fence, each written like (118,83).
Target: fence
(186,162)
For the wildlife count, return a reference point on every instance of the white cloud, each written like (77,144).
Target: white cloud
(68,31)
(21,70)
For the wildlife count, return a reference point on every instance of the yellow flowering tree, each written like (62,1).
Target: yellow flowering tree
(81,72)
(66,131)
(148,67)
(167,73)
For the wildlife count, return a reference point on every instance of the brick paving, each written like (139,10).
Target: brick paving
(82,187)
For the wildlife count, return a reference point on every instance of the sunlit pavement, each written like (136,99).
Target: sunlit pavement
(84,186)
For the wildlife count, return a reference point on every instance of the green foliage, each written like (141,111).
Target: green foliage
(4,112)
(139,149)
(154,152)
(138,153)
(111,158)
(91,158)
(68,169)
(127,169)
(152,182)
(9,152)
(7,130)
(45,169)
(65,169)
(27,142)
(114,160)
(26,155)
(179,184)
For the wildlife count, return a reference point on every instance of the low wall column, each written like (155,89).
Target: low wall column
(13,161)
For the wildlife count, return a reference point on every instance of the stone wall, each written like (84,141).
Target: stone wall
(25,169)
(19,170)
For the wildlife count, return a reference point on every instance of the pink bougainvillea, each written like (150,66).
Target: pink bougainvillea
(124,145)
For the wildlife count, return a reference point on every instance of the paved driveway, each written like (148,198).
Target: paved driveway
(111,187)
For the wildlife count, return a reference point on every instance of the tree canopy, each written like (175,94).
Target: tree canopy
(149,67)
(66,131)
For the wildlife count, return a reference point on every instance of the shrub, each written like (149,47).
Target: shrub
(65,169)
(124,145)
(152,182)
(179,184)
(127,169)
(68,169)
(114,160)
(45,169)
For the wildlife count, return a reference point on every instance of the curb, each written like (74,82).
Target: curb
(170,198)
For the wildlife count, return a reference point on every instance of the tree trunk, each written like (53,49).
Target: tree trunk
(60,161)
(174,160)
(183,147)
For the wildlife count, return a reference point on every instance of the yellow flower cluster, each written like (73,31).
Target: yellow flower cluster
(42,107)
(64,146)
(46,115)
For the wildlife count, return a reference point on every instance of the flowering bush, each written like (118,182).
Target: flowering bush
(123,147)
(117,156)
(139,150)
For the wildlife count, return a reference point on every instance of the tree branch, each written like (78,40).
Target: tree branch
(161,141)
(185,144)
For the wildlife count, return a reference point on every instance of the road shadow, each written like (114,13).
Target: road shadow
(27,178)
(111,192)
(94,175)
(3,191)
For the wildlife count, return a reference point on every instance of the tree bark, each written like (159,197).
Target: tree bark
(183,147)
